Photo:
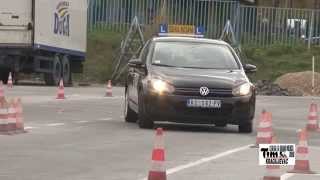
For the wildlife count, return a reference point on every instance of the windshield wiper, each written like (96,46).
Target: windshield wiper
(163,65)
(197,67)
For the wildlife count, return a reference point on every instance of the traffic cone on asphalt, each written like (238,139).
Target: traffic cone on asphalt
(60,94)
(10,82)
(1,90)
(3,117)
(109,89)
(265,133)
(12,114)
(272,171)
(302,164)
(158,170)
(313,119)
(19,116)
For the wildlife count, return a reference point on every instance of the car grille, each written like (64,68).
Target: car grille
(196,92)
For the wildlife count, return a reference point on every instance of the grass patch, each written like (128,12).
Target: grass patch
(278,59)
(272,62)
(100,50)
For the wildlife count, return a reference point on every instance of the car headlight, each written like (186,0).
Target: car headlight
(242,90)
(161,86)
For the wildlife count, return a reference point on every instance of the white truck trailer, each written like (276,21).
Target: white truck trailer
(43,36)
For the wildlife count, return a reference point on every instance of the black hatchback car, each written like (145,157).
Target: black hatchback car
(189,80)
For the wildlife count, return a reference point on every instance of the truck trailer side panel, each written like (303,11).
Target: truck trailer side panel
(16,23)
(61,26)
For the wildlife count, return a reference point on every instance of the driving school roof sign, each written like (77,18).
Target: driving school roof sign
(182,30)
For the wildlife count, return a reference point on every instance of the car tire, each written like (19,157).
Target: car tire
(129,115)
(220,124)
(144,121)
(245,128)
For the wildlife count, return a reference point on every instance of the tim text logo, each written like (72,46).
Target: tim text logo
(62,19)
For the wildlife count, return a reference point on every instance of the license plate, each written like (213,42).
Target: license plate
(204,103)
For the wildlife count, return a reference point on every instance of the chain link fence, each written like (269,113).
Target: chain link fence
(258,26)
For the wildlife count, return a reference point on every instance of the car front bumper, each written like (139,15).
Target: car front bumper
(173,108)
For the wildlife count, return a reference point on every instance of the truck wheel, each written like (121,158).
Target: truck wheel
(54,77)
(66,71)
(4,76)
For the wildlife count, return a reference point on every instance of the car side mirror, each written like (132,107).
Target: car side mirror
(249,68)
(136,63)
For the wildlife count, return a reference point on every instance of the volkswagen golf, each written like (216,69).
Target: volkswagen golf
(189,80)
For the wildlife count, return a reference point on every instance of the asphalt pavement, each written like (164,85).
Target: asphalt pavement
(85,138)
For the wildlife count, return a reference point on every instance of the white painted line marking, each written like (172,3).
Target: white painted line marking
(82,121)
(315,147)
(114,97)
(287,176)
(205,160)
(55,124)
(287,129)
(104,119)
(30,127)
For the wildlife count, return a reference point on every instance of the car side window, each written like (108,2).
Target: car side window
(144,52)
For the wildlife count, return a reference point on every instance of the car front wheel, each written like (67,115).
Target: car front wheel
(245,128)
(129,114)
(144,120)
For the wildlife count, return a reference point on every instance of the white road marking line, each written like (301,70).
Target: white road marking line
(114,97)
(30,127)
(75,95)
(287,129)
(287,176)
(55,124)
(205,160)
(315,147)
(81,121)
(104,119)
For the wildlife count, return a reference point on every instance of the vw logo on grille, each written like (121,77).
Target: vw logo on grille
(204,91)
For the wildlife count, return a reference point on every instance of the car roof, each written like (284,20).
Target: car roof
(188,39)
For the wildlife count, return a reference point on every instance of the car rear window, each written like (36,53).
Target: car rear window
(194,55)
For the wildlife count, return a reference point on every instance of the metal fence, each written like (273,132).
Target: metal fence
(260,26)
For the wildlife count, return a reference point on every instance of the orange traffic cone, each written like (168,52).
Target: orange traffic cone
(313,123)
(158,170)
(264,134)
(19,116)
(302,164)
(3,117)
(272,171)
(1,90)
(109,89)
(60,94)
(10,82)
(12,114)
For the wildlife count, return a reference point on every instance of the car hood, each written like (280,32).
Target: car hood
(195,78)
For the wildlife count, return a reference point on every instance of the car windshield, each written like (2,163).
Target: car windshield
(194,55)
